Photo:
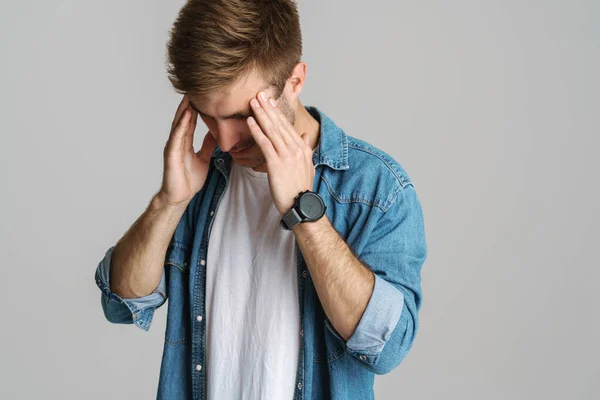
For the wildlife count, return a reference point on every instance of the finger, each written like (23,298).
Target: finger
(188,141)
(287,131)
(306,138)
(185,101)
(176,140)
(179,112)
(271,111)
(265,144)
(267,127)
(209,144)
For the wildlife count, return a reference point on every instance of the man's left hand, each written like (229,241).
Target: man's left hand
(288,156)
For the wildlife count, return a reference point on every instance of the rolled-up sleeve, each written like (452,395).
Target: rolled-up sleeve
(138,311)
(395,252)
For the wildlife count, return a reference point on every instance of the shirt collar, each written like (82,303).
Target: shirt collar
(332,149)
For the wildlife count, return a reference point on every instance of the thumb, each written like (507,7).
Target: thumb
(305,138)
(209,144)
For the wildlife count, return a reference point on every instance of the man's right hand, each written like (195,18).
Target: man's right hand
(185,171)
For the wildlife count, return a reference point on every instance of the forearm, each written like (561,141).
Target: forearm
(344,285)
(138,258)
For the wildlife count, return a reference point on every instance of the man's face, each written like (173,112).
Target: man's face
(226,114)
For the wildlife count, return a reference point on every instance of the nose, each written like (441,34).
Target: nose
(229,137)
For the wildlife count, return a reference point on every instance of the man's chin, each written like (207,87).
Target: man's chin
(253,162)
(245,161)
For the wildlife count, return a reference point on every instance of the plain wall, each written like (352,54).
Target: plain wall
(491,107)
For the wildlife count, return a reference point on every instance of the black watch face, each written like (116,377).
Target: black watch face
(311,205)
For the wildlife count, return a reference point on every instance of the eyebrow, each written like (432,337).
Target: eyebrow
(237,115)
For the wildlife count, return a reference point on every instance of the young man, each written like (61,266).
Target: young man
(290,251)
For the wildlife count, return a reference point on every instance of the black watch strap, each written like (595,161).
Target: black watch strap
(290,219)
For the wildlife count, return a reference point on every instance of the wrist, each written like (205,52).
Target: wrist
(160,204)
(312,227)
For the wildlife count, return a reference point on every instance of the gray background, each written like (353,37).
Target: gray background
(492,107)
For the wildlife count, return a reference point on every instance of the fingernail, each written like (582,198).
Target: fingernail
(263,95)
(272,102)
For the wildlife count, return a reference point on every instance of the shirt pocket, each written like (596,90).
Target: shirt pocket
(178,315)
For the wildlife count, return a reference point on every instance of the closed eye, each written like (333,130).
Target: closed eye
(237,116)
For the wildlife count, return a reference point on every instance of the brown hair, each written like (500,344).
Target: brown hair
(214,43)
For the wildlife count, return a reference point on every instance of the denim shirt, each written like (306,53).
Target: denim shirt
(372,204)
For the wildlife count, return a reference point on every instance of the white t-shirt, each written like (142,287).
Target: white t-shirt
(252,313)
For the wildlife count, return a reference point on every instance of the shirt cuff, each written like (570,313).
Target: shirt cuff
(138,311)
(377,322)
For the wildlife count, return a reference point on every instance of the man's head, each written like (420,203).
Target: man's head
(223,52)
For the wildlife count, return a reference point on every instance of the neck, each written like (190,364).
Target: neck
(306,123)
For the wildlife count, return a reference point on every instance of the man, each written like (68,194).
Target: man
(290,252)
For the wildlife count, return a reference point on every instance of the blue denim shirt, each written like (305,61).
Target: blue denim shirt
(372,204)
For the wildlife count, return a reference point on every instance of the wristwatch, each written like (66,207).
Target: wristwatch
(308,207)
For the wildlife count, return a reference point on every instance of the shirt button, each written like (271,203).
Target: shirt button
(202,262)
(304,273)
(198,367)
(212,213)
(299,385)
(362,357)
(199,317)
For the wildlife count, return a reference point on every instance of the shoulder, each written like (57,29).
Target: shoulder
(373,176)
(359,151)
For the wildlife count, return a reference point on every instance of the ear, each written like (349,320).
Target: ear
(297,79)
